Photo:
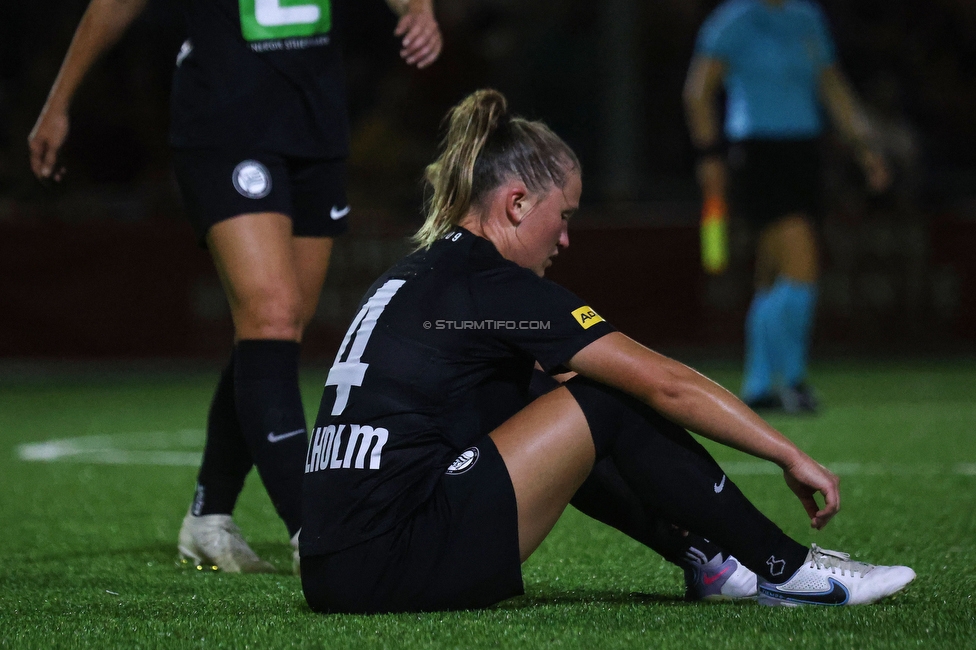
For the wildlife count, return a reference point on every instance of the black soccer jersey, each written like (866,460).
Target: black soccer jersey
(440,353)
(262,74)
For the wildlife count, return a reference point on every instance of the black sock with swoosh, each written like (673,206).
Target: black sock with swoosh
(608,498)
(272,418)
(677,480)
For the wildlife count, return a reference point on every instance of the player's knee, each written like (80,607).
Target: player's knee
(278,316)
(603,406)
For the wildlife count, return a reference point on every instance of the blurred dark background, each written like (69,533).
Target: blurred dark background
(104,265)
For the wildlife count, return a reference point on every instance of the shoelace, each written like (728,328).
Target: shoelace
(821,558)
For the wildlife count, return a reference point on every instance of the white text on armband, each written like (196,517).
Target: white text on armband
(345,447)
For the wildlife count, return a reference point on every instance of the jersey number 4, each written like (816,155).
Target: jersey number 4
(346,374)
(262,20)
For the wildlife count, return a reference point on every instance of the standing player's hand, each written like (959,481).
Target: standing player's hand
(806,477)
(45,142)
(421,35)
(876,171)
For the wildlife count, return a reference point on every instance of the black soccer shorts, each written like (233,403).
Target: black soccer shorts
(460,550)
(769,179)
(218,184)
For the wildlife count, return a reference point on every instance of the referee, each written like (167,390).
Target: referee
(778,66)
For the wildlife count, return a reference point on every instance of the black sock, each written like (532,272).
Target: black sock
(673,475)
(269,407)
(606,497)
(226,459)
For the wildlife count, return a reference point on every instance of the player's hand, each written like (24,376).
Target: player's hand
(876,171)
(806,477)
(421,35)
(45,142)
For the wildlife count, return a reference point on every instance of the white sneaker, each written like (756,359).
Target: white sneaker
(296,559)
(832,578)
(717,579)
(215,541)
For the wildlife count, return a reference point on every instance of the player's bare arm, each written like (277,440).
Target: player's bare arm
(849,118)
(418,28)
(702,86)
(100,28)
(697,403)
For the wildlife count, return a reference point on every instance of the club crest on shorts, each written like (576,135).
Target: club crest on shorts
(464,462)
(252,179)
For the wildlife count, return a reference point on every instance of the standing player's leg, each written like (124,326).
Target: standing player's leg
(754,196)
(791,245)
(255,259)
(253,256)
(271,280)
(782,188)
(757,383)
(227,457)
(266,221)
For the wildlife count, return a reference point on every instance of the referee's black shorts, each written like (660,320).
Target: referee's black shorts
(460,550)
(769,179)
(218,184)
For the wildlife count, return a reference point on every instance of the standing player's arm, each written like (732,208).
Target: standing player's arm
(700,405)
(705,77)
(419,30)
(100,28)
(702,86)
(853,124)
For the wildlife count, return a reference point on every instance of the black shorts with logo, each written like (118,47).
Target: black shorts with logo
(769,179)
(460,550)
(218,184)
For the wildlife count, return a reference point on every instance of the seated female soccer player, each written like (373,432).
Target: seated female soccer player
(432,472)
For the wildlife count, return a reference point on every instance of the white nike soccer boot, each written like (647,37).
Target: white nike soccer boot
(832,578)
(717,578)
(216,541)
(296,559)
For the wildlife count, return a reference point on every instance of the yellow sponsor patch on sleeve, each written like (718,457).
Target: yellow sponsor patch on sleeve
(586,317)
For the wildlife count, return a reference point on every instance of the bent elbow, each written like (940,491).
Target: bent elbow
(668,391)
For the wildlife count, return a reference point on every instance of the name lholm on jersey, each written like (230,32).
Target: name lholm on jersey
(345,447)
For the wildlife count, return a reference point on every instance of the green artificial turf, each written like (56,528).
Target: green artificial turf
(87,549)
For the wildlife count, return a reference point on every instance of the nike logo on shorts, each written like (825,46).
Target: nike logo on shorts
(337,214)
(272,438)
(720,486)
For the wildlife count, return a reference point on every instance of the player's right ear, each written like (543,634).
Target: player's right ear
(516,202)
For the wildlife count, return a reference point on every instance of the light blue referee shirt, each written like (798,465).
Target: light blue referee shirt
(773,57)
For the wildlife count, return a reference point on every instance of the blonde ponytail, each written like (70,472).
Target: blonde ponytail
(484,147)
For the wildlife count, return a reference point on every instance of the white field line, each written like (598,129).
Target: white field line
(146,448)
(184,448)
